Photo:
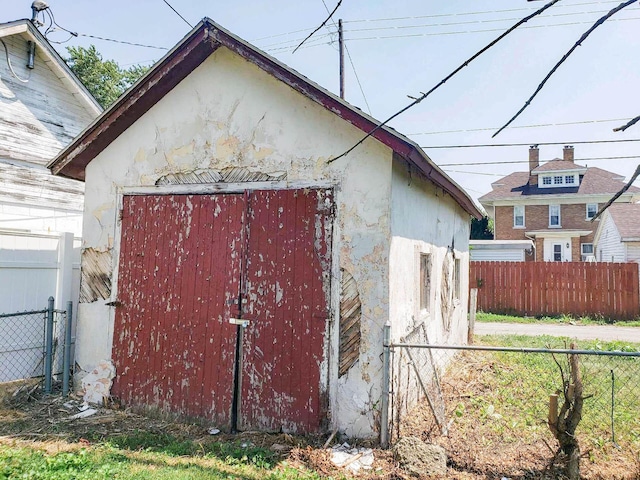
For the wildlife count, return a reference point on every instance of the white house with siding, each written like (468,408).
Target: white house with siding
(43,106)
(618,236)
(501,250)
(223,234)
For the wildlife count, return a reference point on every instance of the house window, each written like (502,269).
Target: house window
(557,180)
(586,249)
(554,215)
(425,280)
(518,216)
(569,179)
(546,180)
(592,209)
(456,279)
(557,252)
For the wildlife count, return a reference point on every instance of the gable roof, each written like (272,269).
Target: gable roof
(557,165)
(595,181)
(626,217)
(53,60)
(199,44)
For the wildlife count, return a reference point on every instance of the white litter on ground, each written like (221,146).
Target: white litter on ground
(352,459)
(97,384)
(83,414)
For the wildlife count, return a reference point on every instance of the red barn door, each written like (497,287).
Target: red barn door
(286,285)
(191,263)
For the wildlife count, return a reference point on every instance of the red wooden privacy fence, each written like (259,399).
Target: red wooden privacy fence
(609,290)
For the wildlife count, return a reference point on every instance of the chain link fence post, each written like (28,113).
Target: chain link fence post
(48,349)
(384,402)
(66,363)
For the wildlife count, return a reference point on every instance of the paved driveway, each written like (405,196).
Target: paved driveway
(580,332)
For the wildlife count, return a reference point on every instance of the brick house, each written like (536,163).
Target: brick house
(553,204)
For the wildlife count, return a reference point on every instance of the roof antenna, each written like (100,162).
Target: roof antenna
(36,7)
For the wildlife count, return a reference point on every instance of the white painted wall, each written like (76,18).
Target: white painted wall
(424,220)
(566,248)
(38,117)
(33,267)
(609,247)
(229,113)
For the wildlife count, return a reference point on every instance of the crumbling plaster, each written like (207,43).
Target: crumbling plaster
(227,113)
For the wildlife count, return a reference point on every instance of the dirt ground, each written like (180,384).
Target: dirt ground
(27,416)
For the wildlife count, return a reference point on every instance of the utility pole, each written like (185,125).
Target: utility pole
(341,49)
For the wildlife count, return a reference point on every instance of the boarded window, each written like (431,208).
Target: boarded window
(425,281)
(350,314)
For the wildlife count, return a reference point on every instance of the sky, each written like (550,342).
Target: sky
(398,49)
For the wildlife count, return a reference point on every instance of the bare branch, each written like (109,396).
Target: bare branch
(599,22)
(615,197)
(631,122)
(442,82)
(321,25)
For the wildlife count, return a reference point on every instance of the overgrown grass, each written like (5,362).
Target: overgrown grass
(509,391)
(145,455)
(562,319)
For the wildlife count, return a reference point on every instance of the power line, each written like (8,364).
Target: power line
(583,142)
(582,38)
(475,173)
(444,80)
(468,22)
(290,43)
(353,67)
(121,41)
(484,12)
(176,12)
(507,162)
(321,25)
(278,35)
(539,125)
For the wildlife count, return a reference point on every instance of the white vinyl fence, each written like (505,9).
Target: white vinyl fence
(33,267)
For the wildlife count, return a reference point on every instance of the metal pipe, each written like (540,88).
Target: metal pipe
(66,363)
(384,401)
(48,353)
(31,52)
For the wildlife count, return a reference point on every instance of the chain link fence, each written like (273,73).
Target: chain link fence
(497,400)
(36,344)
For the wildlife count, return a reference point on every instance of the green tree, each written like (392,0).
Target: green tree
(105,79)
(482,229)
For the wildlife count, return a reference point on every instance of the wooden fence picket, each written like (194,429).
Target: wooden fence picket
(610,290)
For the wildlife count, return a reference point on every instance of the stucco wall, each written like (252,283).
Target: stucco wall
(425,220)
(229,113)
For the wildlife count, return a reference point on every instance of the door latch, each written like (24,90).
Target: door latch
(243,322)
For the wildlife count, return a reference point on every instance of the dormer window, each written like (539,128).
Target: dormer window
(558,180)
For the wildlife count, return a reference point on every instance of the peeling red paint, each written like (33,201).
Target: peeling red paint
(184,261)
(288,251)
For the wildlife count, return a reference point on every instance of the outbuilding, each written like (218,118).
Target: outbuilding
(234,268)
